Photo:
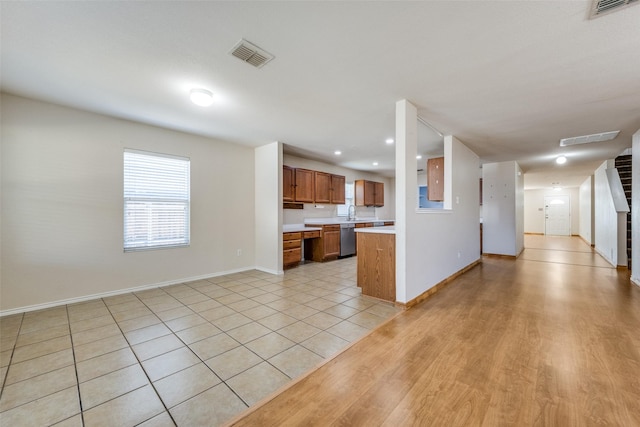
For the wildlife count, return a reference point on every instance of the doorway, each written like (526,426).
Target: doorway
(557,215)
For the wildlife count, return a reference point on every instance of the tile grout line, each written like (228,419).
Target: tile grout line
(141,366)
(13,350)
(195,354)
(75,366)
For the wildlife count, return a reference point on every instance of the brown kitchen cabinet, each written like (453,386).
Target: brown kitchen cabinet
(361,225)
(304,185)
(309,186)
(377,265)
(291,249)
(435,179)
(378,196)
(337,190)
(323,187)
(327,247)
(369,193)
(329,188)
(288,184)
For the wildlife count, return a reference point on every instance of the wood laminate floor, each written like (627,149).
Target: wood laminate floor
(550,339)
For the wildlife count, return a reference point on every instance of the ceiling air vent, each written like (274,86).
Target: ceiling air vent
(251,54)
(602,7)
(586,139)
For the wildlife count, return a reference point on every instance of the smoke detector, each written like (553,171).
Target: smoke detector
(586,139)
(602,7)
(251,54)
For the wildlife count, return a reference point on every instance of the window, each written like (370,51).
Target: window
(343,210)
(156,201)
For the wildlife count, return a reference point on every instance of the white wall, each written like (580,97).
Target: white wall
(502,208)
(433,245)
(297,216)
(268,208)
(635,209)
(62,207)
(605,215)
(586,229)
(534,208)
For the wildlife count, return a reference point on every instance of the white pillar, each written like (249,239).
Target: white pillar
(406,179)
(635,209)
(268,208)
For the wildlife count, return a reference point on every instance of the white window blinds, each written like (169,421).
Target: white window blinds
(156,201)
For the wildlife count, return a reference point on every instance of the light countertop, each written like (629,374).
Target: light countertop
(293,228)
(389,229)
(326,221)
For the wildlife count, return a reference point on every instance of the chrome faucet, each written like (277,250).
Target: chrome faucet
(351,216)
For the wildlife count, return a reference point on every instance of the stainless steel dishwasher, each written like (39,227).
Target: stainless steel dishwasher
(347,239)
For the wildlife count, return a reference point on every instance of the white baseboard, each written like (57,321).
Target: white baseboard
(635,280)
(76,300)
(270,271)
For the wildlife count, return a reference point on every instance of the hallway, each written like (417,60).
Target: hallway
(548,339)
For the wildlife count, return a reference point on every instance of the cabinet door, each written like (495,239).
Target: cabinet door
(331,241)
(358,192)
(304,186)
(435,179)
(337,189)
(379,194)
(369,193)
(287,184)
(323,187)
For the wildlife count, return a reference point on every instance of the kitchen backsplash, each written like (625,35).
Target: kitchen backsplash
(297,216)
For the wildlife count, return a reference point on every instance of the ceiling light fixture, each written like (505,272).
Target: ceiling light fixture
(375,163)
(561,160)
(337,152)
(587,139)
(201,97)
(389,141)
(418,157)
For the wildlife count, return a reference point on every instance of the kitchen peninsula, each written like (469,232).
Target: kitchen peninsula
(377,262)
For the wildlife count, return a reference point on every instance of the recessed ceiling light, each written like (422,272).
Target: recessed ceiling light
(418,157)
(561,160)
(389,141)
(201,97)
(375,163)
(337,152)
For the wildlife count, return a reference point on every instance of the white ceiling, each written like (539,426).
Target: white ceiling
(509,79)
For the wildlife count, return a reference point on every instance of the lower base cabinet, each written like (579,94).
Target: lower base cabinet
(327,247)
(291,249)
(377,265)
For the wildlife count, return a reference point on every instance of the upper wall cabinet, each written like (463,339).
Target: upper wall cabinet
(305,185)
(369,193)
(337,189)
(323,187)
(308,186)
(288,184)
(435,179)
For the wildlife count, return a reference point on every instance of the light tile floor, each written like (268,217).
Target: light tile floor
(192,354)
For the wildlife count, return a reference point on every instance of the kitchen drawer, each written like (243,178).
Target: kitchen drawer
(291,244)
(291,256)
(292,236)
(311,234)
(332,227)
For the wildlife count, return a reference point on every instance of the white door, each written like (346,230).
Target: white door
(557,215)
